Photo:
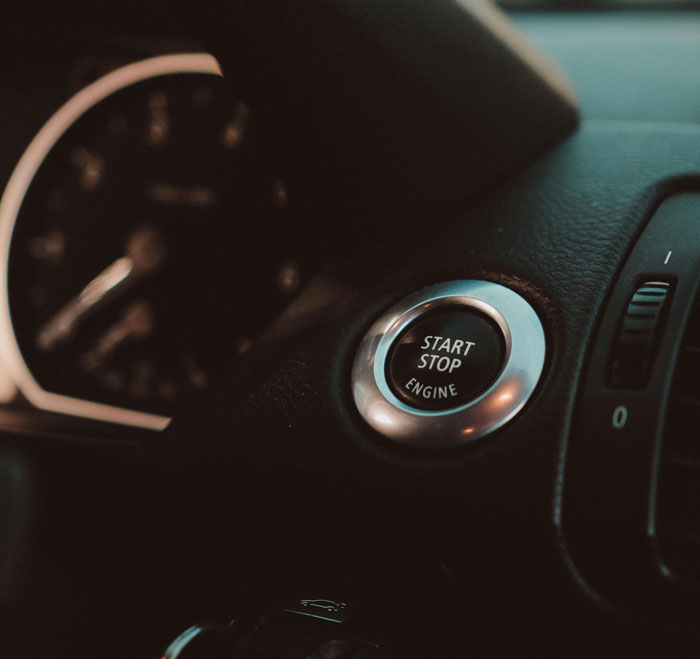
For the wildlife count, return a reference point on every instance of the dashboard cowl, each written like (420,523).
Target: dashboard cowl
(371,98)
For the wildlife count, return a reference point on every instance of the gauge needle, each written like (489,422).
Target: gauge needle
(145,252)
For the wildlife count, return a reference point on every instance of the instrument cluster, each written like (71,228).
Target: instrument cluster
(148,238)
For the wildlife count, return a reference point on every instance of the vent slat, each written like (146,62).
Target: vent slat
(678,500)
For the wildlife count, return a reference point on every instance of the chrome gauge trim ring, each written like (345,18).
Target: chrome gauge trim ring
(17,370)
(523,364)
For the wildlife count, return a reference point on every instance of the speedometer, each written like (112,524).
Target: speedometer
(148,238)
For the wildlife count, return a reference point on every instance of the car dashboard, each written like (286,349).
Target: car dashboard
(236,251)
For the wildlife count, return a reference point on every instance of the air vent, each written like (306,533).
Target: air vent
(678,509)
(634,448)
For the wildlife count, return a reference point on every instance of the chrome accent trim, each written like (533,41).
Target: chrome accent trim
(179,645)
(10,205)
(522,368)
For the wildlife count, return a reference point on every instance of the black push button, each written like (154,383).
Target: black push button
(445,359)
(635,348)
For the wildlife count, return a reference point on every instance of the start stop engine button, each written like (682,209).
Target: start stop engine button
(445,359)
(449,364)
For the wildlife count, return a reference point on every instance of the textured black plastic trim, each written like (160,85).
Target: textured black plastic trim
(610,475)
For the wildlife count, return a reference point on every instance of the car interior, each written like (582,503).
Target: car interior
(350,329)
